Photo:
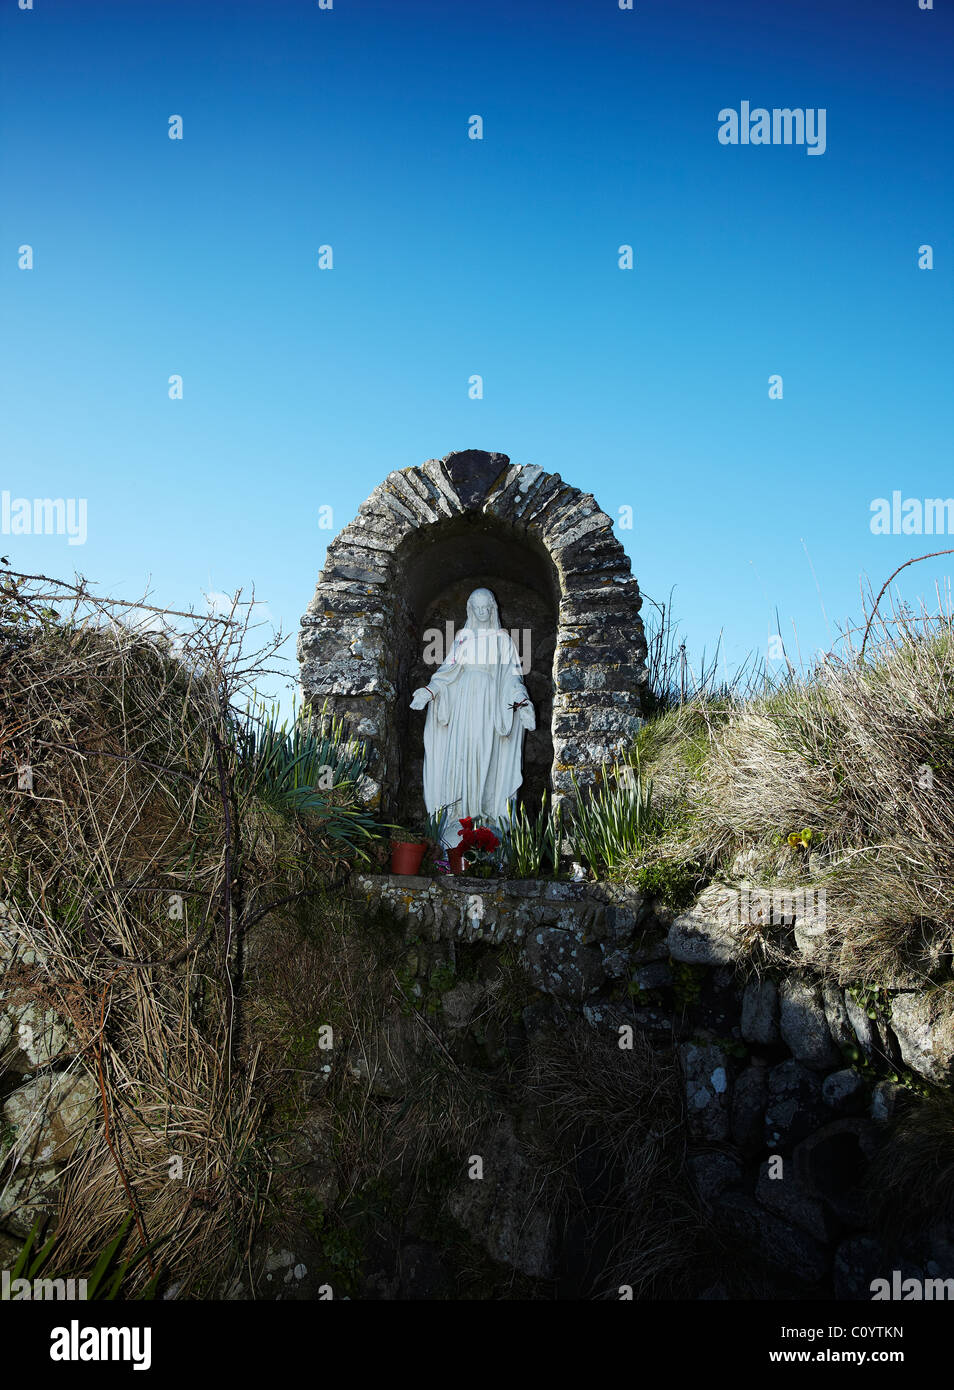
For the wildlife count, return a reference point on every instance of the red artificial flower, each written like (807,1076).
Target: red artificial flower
(467,823)
(486,839)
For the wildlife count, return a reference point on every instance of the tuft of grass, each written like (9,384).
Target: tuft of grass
(109,1276)
(309,767)
(613,820)
(609,1142)
(672,883)
(910,1183)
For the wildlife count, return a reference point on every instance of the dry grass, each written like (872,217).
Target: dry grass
(611,1146)
(861,754)
(133,810)
(911,1182)
(373,1155)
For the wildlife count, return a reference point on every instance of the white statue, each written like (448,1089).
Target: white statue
(477,712)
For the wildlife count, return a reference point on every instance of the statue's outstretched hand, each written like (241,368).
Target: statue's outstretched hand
(421,698)
(523,712)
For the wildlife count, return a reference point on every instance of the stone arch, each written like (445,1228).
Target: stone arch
(423,538)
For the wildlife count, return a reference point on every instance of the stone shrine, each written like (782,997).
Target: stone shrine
(397,578)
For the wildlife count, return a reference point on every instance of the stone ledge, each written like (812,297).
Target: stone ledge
(572,935)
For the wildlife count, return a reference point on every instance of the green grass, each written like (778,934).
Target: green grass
(531,844)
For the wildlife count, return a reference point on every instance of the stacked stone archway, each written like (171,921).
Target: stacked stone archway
(401,569)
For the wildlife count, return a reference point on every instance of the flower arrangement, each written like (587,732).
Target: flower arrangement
(480,845)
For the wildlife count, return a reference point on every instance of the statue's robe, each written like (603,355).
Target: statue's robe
(473,738)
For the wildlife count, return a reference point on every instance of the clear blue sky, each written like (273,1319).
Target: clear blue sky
(303,388)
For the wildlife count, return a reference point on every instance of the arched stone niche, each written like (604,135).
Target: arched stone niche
(402,570)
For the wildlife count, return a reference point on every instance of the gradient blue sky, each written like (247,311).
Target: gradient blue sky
(305,388)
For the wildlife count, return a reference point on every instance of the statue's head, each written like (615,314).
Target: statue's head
(482,610)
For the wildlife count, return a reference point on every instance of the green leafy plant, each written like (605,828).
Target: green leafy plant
(108,1275)
(309,767)
(676,885)
(613,821)
(874,1000)
(532,843)
(407,835)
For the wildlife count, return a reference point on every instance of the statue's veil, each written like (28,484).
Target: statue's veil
(472,620)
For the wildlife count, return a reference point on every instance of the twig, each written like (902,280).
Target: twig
(933,556)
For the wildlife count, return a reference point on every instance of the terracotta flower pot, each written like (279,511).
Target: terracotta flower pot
(406,858)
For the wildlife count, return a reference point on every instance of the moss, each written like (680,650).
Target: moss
(342,1246)
(687,983)
(675,884)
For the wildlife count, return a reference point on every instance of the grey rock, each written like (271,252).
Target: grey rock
(836,1015)
(609,1016)
(705,1069)
(887,1098)
(624,913)
(749,1098)
(503,1211)
(810,925)
(648,951)
(804,1026)
(788,1198)
(46,1120)
(559,964)
(42,1035)
(784,1247)
(709,933)
(865,1030)
(844,1091)
(616,961)
(831,1164)
(459,1004)
(718,1006)
(760,1012)
(15,946)
(794,1107)
(276,1260)
(714,1173)
(656,975)
(658,1021)
(924,1027)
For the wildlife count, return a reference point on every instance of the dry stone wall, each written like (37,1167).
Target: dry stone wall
(786,1076)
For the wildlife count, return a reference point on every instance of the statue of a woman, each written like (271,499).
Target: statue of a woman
(477,712)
